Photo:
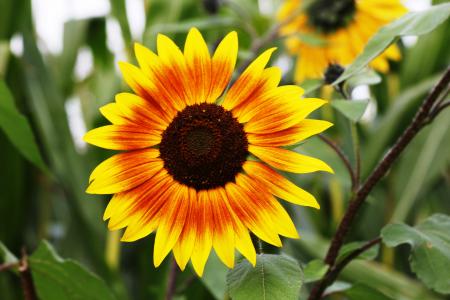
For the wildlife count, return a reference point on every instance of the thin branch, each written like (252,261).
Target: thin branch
(342,156)
(172,280)
(418,122)
(333,273)
(8,266)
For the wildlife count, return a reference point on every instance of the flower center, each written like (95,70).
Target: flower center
(330,15)
(204,147)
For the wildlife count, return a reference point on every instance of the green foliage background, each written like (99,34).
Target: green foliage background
(42,196)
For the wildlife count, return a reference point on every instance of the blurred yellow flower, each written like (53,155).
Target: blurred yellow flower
(334,32)
(185,173)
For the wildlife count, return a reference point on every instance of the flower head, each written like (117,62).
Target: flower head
(324,32)
(186,171)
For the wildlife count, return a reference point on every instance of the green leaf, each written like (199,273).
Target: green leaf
(311,85)
(350,247)
(353,109)
(17,128)
(360,291)
(273,277)
(414,23)
(56,278)
(430,254)
(314,270)
(214,277)
(6,256)
(365,77)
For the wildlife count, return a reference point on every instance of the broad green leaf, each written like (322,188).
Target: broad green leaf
(273,277)
(414,23)
(430,254)
(56,278)
(350,247)
(17,128)
(353,109)
(360,291)
(314,270)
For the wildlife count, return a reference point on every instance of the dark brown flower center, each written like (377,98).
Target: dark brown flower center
(204,147)
(328,16)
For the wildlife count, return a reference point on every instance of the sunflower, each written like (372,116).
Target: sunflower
(186,171)
(324,32)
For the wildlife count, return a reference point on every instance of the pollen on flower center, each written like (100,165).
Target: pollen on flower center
(329,15)
(204,147)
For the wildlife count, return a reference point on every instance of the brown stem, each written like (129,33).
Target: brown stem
(26,279)
(333,272)
(377,174)
(172,280)
(342,156)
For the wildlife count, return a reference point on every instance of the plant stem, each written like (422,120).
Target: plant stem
(418,122)
(172,280)
(357,155)
(342,156)
(333,272)
(29,292)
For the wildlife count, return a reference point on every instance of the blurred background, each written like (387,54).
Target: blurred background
(58,59)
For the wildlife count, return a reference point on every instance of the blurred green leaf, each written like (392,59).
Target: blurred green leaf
(4,57)
(273,277)
(314,270)
(414,23)
(214,277)
(6,256)
(184,26)
(360,291)
(311,85)
(418,160)
(56,278)
(17,128)
(120,12)
(430,254)
(365,77)
(353,109)
(350,247)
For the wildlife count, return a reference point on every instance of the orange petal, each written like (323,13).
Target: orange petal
(223,63)
(168,78)
(284,117)
(289,136)
(245,205)
(183,248)
(198,62)
(140,112)
(123,137)
(223,239)
(172,220)
(279,185)
(124,171)
(147,207)
(287,160)
(113,114)
(128,207)
(249,81)
(204,238)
